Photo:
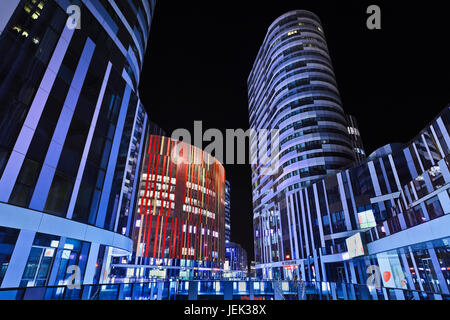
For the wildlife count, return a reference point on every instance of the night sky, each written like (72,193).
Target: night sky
(200,53)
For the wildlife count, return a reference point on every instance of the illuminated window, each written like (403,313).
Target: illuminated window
(366,219)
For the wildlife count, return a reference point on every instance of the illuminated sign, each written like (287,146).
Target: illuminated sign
(256,298)
(66,254)
(54,244)
(355,246)
(391,270)
(49,253)
(68,246)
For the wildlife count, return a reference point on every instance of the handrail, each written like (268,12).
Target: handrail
(318,287)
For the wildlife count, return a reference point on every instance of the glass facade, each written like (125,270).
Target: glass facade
(396,203)
(236,264)
(227,211)
(293,90)
(72,130)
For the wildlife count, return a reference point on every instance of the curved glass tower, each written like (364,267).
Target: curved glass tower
(72,131)
(292,89)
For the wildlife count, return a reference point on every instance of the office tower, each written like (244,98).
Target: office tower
(236,264)
(388,216)
(72,133)
(227,211)
(292,89)
(179,229)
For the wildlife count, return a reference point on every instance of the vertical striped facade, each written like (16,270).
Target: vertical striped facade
(397,202)
(293,90)
(72,133)
(180,221)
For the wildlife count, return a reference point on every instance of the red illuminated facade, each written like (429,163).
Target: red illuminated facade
(181,210)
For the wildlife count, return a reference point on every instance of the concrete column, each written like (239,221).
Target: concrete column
(19,259)
(302,266)
(106,265)
(401,220)
(444,131)
(91,265)
(445,201)
(425,211)
(160,286)
(428,183)
(437,269)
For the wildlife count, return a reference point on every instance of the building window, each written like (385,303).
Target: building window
(40,260)
(23,190)
(8,238)
(59,196)
(434,208)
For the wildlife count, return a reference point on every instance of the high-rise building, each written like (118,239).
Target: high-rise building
(292,89)
(227,211)
(179,229)
(389,218)
(72,133)
(329,214)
